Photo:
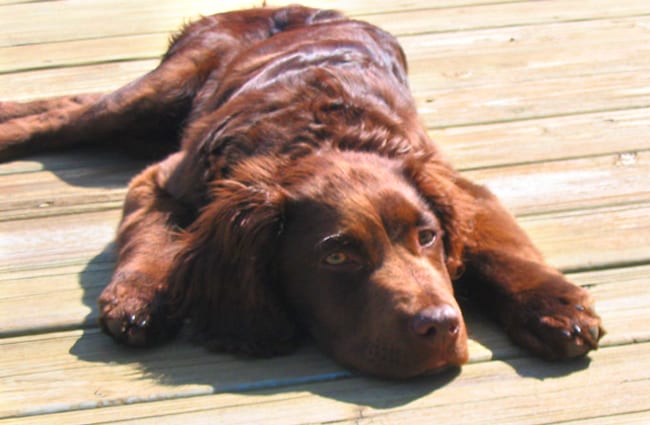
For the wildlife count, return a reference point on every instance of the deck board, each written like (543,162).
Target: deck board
(547,103)
(32,23)
(546,139)
(443,104)
(567,238)
(119,41)
(504,391)
(593,181)
(26,295)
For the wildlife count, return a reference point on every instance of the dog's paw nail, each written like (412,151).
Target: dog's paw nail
(115,327)
(137,322)
(577,330)
(595,332)
(566,334)
(580,307)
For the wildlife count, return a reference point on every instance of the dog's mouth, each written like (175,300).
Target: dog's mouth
(406,360)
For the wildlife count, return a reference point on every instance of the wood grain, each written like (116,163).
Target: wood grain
(515,391)
(547,103)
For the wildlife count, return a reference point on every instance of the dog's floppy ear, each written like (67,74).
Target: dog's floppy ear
(223,278)
(437,183)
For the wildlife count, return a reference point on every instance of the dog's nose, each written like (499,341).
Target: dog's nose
(440,321)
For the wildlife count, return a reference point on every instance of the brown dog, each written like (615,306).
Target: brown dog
(305,198)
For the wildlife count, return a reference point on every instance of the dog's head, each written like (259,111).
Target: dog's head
(353,248)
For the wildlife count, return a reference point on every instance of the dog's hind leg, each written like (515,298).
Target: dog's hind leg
(146,116)
(146,112)
(13,110)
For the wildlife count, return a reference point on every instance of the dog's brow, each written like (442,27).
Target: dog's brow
(337,239)
(427,219)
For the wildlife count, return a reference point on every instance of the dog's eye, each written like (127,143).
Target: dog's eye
(427,237)
(336,258)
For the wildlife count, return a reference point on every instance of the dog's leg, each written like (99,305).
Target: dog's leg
(147,112)
(143,115)
(134,306)
(13,110)
(506,274)
(148,115)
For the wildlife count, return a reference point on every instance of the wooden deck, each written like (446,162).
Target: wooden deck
(546,102)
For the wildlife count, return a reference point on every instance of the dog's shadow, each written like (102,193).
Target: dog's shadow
(90,167)
(487,333)
(182,368)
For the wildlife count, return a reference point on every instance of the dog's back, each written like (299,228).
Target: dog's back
(225,66)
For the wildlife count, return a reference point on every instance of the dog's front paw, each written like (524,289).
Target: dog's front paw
(133,312)
(554,321)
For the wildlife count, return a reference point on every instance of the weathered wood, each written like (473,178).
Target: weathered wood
(26,298)
(33,23)
(175,370)
(595,238)
(64,81)
(36,23)
(620,133)
(90,370)
(502,83)
(527,53)
(80,188)
(622,300)
(525,189)
(515,391)
(57,241)
(566,238)
(25,303)
(524,391)
(504,102)
(636,418)
(473,16)
(83,52)
(545,102)
(571,184)
(147,43)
